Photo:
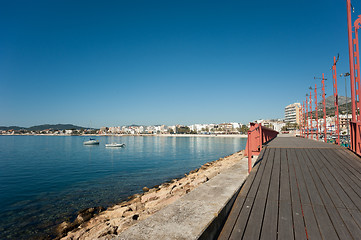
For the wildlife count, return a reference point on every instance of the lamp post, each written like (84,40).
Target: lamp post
(303,119)
(351,59)
(308,130)
(347,122)
(324,107)
(335,96)
(316,110)
(311,113)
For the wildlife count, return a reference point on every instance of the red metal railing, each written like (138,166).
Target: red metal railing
(354,57)
(355,137)
(257,136)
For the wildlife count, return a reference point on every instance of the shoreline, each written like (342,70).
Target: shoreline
(135,135)
(97,222)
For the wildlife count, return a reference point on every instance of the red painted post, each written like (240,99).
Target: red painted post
(307,128)
(335,96)
(324,107)
(249,152)
(257,136)
(311,115)
(316,109)
(260,139)
(351,59)
(357,68)
(303,119)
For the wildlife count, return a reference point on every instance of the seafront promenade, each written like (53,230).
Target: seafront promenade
(299,189)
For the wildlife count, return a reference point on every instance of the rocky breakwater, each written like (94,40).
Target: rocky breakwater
(97,223)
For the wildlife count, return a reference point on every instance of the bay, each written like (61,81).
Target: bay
(45,180)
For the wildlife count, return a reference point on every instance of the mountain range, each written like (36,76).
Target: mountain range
(43,127)
(342,100)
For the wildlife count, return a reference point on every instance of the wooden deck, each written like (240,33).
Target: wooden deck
(300,189)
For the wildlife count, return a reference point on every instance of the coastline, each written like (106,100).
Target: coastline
(100,223)
(135,135)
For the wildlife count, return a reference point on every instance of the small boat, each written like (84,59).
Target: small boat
(91,141)
(115,145)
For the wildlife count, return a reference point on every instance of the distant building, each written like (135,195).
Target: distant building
(293,113)
(344,121)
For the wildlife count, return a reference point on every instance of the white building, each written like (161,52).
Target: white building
(293,113)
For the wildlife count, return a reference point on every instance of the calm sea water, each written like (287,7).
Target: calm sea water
(47,179)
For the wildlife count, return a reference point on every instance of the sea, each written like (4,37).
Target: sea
(45,180)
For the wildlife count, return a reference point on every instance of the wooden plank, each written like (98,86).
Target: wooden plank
(310,221)
(269,227)
(311,188)
(254,225)
(238,203)
(285,220)
(356,160)
(357,216)
(354,165)
(322,172)
(305,199)
(350,222)
(340,193)
(341,162)
(297,213)
(255,185)
(243,217)
(330,183)
(341,178)
(337,222)
(324,222)
(312,229)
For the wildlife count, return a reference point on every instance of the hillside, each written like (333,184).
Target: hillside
(344,106)
(43,127)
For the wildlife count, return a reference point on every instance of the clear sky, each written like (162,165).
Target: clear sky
(111,63)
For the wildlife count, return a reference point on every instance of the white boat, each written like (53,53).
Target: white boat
(91,142)
(115,145)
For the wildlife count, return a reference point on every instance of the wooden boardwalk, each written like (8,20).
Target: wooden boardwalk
(300,189)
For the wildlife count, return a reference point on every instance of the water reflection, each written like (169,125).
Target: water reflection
(52,177)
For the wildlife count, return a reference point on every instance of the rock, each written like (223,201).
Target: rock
(211,175)
(153,190)
(127,213)
(135,196)
(64,227)
(81,218)
(145,189)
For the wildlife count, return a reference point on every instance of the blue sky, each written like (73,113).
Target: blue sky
(110,63)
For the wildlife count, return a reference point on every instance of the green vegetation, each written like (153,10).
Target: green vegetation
(183,130)
(243,129)
(290,126)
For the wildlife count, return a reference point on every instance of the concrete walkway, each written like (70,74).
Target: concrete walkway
(198,215)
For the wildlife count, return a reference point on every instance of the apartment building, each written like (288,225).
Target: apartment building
(293,113)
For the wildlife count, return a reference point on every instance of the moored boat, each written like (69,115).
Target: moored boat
(115,145)
(91,141)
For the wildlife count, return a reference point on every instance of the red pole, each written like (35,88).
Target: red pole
(303,119)
(316,109)
(335,96)
(324,107)
(350,52)
(357,68)
(308,129)
(249,152)
(311,115)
